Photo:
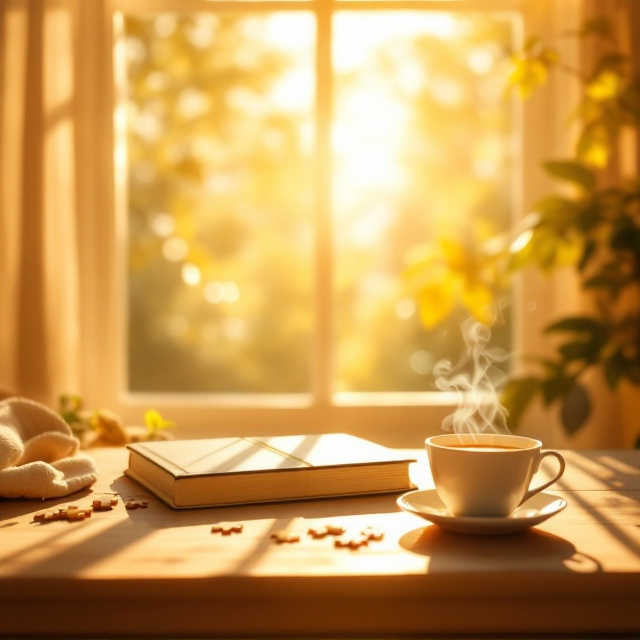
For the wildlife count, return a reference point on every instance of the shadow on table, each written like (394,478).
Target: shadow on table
(532,550)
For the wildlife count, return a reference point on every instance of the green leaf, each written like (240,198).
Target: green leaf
(545,252)
(626,238)
(615,368)
(517,396)
(155,421)
(580,350)
(589,215)
(594,145)
(552,368)
(70,402)
(554,387)
(607,282)
(575,409)
(554,208)
(520,253)
(577,324)
(592,335)
(69,408)
(527,75)
(612,278)
(571,171)
(589,251)
(605,86)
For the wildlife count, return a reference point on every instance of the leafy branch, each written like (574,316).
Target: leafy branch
(591,225)
(99,427)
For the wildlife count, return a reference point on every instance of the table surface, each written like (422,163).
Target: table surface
(159,572)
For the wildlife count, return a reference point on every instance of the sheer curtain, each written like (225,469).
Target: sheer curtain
(44,177)
(56,185)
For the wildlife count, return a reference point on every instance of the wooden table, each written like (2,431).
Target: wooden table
(157,572)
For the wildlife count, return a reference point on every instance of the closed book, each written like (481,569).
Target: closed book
(230,471)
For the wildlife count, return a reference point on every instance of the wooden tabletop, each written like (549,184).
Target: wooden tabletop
(157,572)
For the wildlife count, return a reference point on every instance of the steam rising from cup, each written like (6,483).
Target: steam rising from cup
(474,378)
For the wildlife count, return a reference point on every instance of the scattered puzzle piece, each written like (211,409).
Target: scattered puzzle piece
(227,528)
(285,536)
(74,513)
(135,503)
(325,530)
(373,533)
(352,540)
(335,529)
(290,532)
(342,537)
(104,504)
(71,512)
(46,516)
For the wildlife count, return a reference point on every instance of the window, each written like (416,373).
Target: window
(276,165)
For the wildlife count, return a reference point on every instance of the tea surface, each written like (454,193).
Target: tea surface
(483,447)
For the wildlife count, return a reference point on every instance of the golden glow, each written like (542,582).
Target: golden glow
(366,140)
(373,117)
(237,121)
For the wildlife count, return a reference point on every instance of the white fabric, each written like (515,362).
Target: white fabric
(39,455)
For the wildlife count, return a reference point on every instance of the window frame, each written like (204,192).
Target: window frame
(399,419)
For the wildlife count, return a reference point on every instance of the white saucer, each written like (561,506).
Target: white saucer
(427,505)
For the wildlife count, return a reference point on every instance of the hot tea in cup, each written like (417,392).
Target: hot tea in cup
(486,475)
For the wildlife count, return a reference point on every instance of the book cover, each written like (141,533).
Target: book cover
(239,470)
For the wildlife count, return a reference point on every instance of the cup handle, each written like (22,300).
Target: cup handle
(543,486)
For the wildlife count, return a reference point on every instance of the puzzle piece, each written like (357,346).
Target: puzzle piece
(135,503)
(104,504)
(47,516)
(352,540)
(290,532)
(373,533)
(227,528)
(74,513)
(71,512)
(336,529)
(285,535)
(318,532)
(326,530)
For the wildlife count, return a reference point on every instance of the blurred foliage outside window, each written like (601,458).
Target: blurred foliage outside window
(224,176)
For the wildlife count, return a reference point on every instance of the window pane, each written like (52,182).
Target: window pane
(422,149)
(220,198)
(221,146)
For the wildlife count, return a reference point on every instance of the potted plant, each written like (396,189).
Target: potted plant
(592,223)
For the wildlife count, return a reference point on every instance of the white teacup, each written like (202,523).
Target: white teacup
(486,475)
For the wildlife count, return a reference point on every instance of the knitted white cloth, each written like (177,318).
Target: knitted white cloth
(39,455)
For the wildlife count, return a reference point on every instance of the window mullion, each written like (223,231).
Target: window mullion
(323,364)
